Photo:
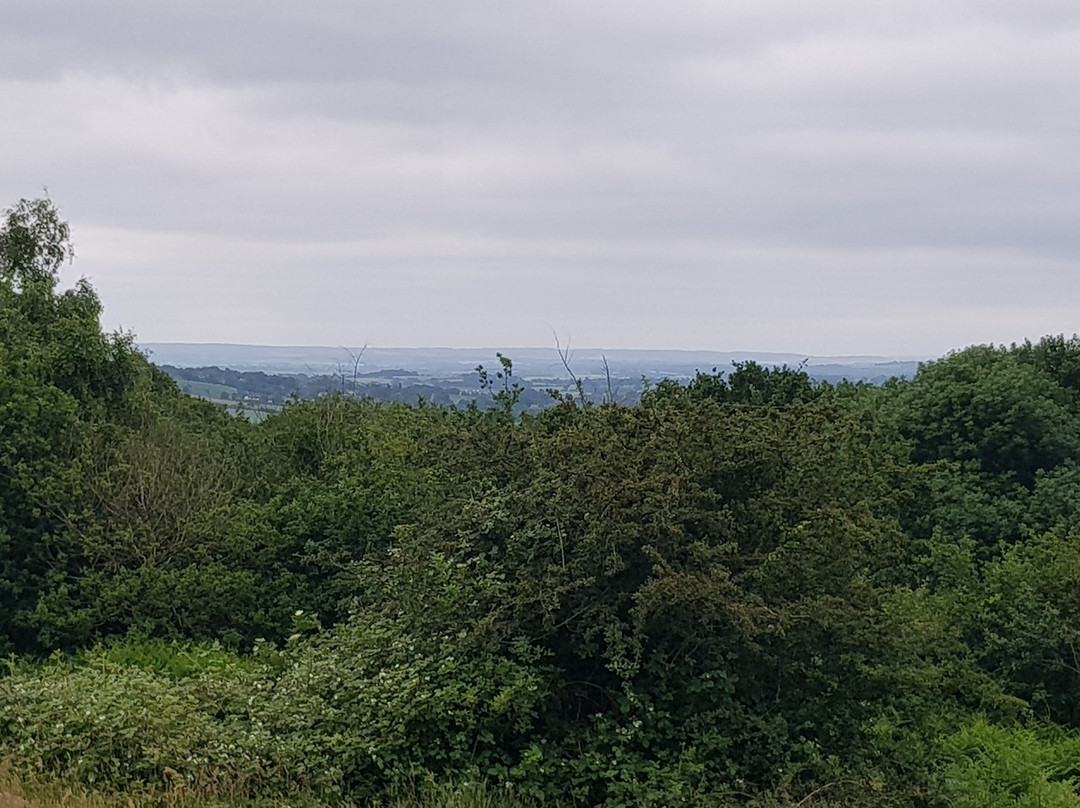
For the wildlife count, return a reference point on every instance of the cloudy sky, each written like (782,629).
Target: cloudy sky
(827,177)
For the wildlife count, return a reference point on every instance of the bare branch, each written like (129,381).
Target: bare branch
(565,355)
(355,367)
(610,398)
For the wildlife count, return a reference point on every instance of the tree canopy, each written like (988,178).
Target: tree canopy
(748,589)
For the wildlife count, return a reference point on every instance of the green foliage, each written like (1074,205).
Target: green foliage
(1057,356)
(380,705)
(985,408)
(751,589)
(994,767)
(103,724)
(749,384)
(680,566)
(504,393)
(1055,500)
(360,710)
(60,379)
(176,660)
(34,243)
(1030,625)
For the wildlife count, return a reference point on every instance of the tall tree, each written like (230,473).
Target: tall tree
(59,374)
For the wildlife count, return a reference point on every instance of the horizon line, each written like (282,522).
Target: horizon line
(504,349)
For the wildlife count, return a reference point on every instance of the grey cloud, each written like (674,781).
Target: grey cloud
(624,148)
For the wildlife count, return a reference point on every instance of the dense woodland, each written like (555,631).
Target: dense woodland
(752,589)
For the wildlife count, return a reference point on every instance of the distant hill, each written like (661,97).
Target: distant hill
(529,362)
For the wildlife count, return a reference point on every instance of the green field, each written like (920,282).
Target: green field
(208,390)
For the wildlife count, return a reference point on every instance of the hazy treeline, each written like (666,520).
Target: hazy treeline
(751,589)
(256,388)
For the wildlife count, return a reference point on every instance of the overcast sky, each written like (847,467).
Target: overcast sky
(827,177)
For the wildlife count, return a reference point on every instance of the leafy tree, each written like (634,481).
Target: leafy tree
(701,579)
(34,243)
(750,384)
(985,408)
(1057,356)
(58,376)
(88,460)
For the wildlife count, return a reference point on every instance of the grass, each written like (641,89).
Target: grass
(16,792)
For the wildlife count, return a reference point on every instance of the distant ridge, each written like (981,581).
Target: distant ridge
(529,362)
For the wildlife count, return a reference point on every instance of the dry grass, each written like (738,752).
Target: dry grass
(15,801)
(16,792)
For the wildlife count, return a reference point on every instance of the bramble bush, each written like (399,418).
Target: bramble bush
(355,711)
